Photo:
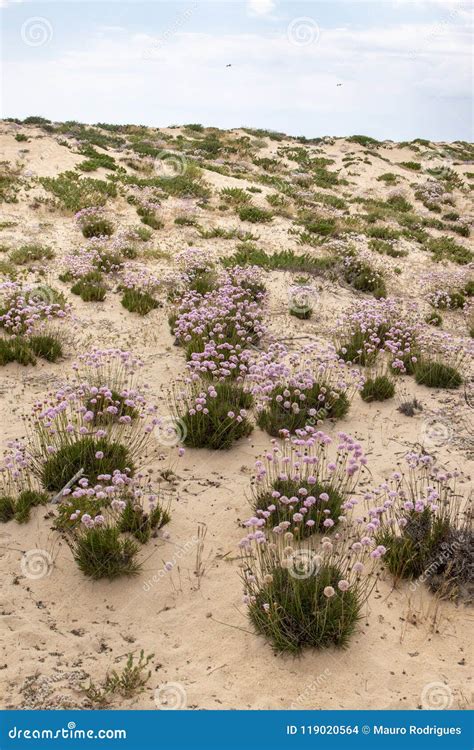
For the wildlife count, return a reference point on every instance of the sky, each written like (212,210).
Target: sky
(397,70)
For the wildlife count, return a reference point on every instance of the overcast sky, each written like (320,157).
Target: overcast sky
(405,66)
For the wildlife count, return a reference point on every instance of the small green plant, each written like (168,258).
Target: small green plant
(46,346)
(30,253)
(435,374)
(221,423)
(100,552)
(140,302)
(93,456)
(300,613)
(235,197)
(15,350)
(90,288)
(7,508)
(131,680)
(27,500)
(409,551)
(75,193)
(379,388)
(415,166)
(21,138)
(389,178)
(97,227)
(320,402)
(254,214)
(134,520)
(445,248)
(434,319)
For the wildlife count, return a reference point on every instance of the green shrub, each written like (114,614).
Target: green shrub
(30,253)
(409,552)
(97,227)
(90,288)
(99,552)
(300,615)
(27,500)
(379,388)
(436,374)
(75,192)
(216,429)
(7,508)
(445,248)
(46,346)
(275,416)
(254,214)
(61,466)
(140,302)
(134,520)
(415,166)
(434,319)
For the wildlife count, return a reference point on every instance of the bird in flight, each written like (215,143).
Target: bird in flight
(338,84)
(229,65)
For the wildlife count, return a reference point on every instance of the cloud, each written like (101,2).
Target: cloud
(260,7)
(396,81)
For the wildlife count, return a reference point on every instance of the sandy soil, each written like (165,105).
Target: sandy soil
(61,629)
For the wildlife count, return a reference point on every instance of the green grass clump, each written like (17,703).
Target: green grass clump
(97,227)
(134,520)
(386,248)
(362,277)
(363,140)
(389,178)
(379,388)
(7,508)
(275,416)
(140,302)
(100,552)
(216,430)
(445,248)
(90,288)
(46,346)
(27,500)
(30,253)
(415,166)
(409,551)
(282,260)
(289,488)
(61,466)
(149,218)
(96,160)
(74,192)
(322,225)
(434,319)
(235,197)
(254,214)
(399,203)
(435,374)
(300,616)
(15,349)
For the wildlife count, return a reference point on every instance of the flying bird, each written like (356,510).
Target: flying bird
(229,65)
(338,84)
